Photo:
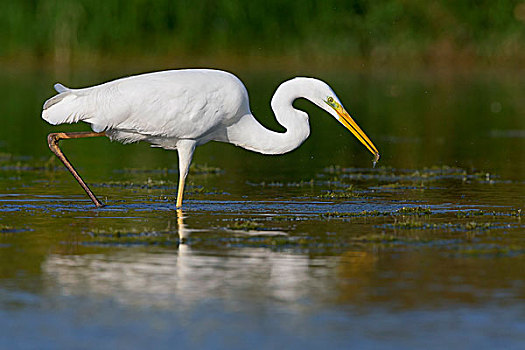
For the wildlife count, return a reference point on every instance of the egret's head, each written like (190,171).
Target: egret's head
(321,94)
(325,98)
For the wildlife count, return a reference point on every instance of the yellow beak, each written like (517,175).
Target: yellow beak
(351,125)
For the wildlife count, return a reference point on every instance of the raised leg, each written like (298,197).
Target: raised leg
(54,138)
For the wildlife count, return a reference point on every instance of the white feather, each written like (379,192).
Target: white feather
(61,108)
(60,88)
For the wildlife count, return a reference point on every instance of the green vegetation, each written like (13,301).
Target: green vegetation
(467,226)
(364,213)
(339,194)
(133,236)
(245,225)
(414,211)
(286,218)
(365,29)
(148,183)
(348,192)
(6,228)
(466,214)
(419,211)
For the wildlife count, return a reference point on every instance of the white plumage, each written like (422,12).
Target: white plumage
(181,109)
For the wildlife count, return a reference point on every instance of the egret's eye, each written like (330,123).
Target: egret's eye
(330,99)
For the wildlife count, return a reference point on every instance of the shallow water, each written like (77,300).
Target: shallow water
(311,249)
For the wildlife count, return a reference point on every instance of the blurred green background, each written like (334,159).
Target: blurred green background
(349,32)
(431,82)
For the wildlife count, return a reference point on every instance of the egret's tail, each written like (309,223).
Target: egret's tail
(62,108)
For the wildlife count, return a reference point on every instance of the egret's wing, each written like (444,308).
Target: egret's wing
(181,104)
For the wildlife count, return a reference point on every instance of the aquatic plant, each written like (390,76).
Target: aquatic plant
(470,213)
(245,225)
(132,236)
(414,210)
(385,31)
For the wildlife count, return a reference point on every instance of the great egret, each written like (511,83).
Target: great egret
(181,109)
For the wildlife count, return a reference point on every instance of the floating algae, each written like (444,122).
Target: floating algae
(418,211)
(131,237)
(245,225)
(447,226)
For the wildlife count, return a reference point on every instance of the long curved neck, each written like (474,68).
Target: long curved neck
(250,134)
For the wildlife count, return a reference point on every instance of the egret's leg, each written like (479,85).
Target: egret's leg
(180,192)
(54,138)
(185,149)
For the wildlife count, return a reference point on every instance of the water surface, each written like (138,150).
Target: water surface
(310,249)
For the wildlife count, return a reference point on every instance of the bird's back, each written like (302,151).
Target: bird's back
(176,104)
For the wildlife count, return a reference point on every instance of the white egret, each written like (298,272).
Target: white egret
(182,109)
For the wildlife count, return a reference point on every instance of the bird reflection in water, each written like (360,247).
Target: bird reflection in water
(181,228)
(183,276)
